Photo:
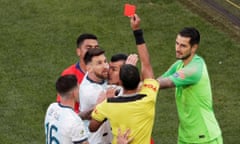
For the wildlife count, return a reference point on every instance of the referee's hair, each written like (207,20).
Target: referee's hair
(91,53)
(129,75)
(65,84)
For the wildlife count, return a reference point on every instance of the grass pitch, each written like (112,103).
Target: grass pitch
(37,42)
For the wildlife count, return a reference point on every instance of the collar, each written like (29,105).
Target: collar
(92,81)
(79,68)
(122,99)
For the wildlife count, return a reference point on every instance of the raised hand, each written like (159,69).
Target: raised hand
(135,22)
(132,59)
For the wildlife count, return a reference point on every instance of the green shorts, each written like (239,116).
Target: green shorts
(217,140)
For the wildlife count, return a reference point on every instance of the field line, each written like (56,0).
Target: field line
(234,4)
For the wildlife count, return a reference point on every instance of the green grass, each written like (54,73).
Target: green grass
(37,42)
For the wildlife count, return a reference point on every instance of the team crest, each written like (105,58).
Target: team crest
(180,74)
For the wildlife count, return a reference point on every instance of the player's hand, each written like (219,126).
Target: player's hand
(123,138)
(132,59)
(111,91)
(135,22)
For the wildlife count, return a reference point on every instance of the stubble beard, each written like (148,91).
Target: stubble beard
(184,57)
(101,76)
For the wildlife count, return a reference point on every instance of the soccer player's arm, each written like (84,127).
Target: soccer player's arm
(188,75)
(79,134)
(94,125)
(97,118)
(86,115)
(165,82)
(183,77)
(164,79)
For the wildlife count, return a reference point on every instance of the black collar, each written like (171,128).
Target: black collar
(121,99)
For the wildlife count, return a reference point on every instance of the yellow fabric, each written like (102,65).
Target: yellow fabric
(137,115)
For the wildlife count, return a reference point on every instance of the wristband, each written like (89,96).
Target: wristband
(138,34)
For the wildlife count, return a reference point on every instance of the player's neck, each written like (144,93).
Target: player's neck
(94,78)
(82,66)
(129,92)
(68,103)
(188,60)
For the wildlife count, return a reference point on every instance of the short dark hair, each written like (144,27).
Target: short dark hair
(118,57)
(191,32)
(85,36)
(66,83)
(129,75)
(91,53)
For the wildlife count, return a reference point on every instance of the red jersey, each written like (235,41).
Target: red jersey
(77,71)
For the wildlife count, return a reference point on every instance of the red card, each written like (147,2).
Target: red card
(129,10)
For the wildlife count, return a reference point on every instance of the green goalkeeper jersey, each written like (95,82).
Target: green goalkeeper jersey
(194,101)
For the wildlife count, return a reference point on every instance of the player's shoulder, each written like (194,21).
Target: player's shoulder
(88,83)
(197,61)
(52,108)
(198,58)
(85,82)
(151,84)
(87,86)
(53,105)
(69,70)
(67,111)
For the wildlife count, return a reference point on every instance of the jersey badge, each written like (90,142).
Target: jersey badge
(180,74)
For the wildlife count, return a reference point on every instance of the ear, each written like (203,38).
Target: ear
(194,48)
(78,51)
(89,67)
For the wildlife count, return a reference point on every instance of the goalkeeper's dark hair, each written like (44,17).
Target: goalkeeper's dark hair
(129,75)
(192,33)
(65,84)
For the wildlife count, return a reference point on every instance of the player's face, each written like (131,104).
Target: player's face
(183,47)
(100,66)
(114,69)
(87,44)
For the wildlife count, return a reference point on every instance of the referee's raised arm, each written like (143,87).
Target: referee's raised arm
(146,67)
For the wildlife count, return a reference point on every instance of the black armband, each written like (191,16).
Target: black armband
(138,34)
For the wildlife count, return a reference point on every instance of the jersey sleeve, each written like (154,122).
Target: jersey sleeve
(98,112)
(172,69)
(149,87)
(79,133)
(188,75)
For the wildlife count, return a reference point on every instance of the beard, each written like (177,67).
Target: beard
(102,75)
(184,57)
